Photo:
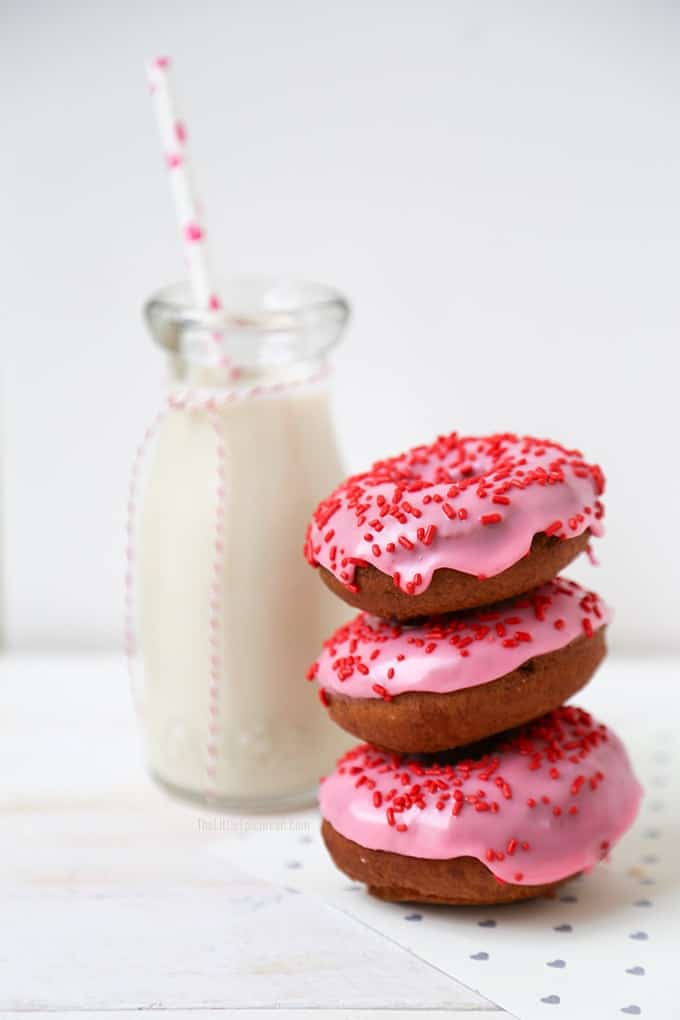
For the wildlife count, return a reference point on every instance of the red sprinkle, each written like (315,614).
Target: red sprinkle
(491,518)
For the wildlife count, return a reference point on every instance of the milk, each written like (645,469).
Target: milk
(272,739)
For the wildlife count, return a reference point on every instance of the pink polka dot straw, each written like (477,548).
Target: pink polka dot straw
(174,142)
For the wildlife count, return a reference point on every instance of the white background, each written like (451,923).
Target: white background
(494,185)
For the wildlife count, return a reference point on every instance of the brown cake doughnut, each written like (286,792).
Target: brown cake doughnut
(493,823)
(452,590)
(461,523)
(452,681)
(462,881)
(434,722)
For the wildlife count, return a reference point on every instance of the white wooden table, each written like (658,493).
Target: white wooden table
(113,903)
(117,900)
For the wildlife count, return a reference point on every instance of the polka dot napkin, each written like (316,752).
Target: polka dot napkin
(606,946)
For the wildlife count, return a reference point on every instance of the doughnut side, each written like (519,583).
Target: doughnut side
(462,881)
(427,722)
(534,805)
(452,590)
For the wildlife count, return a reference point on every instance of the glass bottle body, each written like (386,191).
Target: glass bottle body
(230,615)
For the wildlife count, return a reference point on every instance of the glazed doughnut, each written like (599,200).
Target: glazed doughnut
(451,681)
(503,821)
(464,522)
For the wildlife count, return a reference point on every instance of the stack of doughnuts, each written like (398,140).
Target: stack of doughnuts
(474,782)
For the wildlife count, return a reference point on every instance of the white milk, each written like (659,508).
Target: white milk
(274,739)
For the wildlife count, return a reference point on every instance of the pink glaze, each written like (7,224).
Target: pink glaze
(471,504)
(549,801)
(373,658)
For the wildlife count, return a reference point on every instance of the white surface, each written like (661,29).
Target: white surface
(115,898)
(494,185)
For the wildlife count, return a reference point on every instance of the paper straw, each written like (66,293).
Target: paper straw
(173,134)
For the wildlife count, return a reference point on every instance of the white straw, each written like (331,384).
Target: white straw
(173,134)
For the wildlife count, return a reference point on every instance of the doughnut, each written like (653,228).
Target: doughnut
(451,681)
(464,522)
(501,821)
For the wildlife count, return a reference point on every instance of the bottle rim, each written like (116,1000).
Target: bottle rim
(262,319)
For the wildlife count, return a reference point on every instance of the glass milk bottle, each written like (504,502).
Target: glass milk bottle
(229,613)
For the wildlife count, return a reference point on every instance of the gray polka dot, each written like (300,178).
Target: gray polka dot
(413,917)
(306,839)
(487,924)
(479,956)
(563,927)
(568,899)
(647,881)
(650,859)
(642,903)
(632,1010)
(638,971)
(651,834)
(639,936)
(552,1000)
(293,865)
(559,964)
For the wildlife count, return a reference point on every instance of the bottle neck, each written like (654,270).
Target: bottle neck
(275,332)
(242,380)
